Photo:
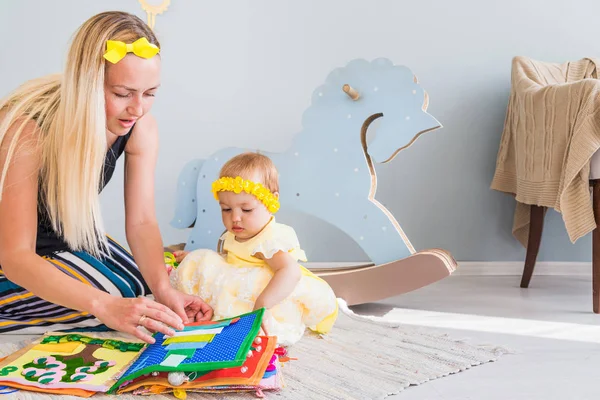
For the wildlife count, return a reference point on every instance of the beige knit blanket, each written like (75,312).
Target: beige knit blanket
(551,130)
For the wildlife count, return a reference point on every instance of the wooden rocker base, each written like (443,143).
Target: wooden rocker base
(366,284)
(369,283)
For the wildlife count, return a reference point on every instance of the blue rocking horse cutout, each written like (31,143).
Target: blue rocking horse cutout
(329,172)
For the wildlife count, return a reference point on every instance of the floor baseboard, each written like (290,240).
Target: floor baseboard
(479,268)
(482,268)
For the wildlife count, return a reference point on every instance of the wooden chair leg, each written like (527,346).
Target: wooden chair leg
(596,248)
(533,244)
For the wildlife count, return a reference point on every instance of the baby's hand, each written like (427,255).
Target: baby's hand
(180,255)
(265,321)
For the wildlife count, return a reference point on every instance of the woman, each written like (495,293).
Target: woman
(60,139)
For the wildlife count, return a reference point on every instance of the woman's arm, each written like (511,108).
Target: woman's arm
(143,234)
(18,230)
(286,274)
(21,264)
(141,226)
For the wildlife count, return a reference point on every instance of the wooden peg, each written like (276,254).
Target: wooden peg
(351,92)
(153,10)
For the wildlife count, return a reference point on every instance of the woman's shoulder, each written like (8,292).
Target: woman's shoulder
(144,136)
(24,122)
(147,122)
(28,133)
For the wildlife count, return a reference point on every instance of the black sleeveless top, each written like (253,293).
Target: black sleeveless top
(47,239)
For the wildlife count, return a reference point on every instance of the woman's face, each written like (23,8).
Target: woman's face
(129,89)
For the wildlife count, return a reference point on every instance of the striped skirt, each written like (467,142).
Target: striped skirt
(116,273)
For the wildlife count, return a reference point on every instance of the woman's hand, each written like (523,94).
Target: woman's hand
(190,308)
(128,314)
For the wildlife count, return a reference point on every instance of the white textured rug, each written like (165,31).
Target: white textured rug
(361,359)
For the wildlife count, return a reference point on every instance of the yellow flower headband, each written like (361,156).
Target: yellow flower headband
(238,185)
(116,50)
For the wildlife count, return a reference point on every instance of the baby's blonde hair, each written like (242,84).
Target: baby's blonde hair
(246,165)
(69,112)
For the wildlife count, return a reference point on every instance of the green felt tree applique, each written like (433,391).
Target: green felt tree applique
(77,367)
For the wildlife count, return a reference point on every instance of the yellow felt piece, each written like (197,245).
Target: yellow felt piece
(180,394)
(191,338)
(68,347)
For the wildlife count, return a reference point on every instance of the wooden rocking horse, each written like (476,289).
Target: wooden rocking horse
(329,172)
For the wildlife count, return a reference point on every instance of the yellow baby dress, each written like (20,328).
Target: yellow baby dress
(232,282)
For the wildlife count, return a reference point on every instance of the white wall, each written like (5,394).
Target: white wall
(242,72)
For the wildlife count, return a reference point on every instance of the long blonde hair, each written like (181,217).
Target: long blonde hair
(69,112)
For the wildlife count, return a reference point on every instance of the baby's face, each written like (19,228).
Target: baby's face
(243,214)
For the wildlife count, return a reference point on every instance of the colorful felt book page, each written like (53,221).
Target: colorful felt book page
(250,373)
(258,371)
(63,363)
(226,349)
(271,381)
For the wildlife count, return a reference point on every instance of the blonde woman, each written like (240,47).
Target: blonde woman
(60,138)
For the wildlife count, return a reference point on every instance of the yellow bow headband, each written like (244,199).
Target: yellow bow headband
(116,50)
(238,185)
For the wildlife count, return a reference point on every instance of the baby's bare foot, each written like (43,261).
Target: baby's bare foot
(180,255)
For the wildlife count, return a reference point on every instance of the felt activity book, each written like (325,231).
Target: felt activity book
(217,355)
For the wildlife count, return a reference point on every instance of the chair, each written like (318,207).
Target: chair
(549,153)
(537,225)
